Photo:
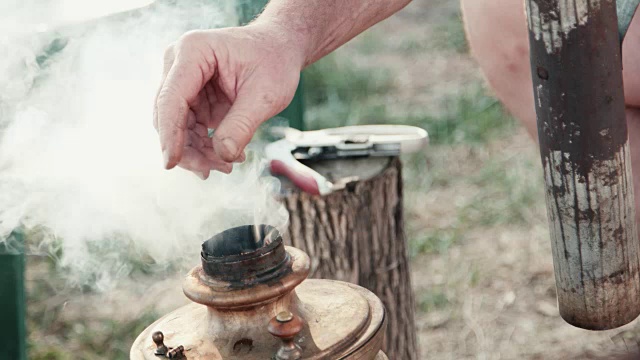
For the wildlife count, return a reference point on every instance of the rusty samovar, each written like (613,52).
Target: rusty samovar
(252,300)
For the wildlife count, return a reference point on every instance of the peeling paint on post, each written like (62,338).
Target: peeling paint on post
(577,78)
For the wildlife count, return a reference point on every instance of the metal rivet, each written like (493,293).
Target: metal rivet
(286,327)
(284,316)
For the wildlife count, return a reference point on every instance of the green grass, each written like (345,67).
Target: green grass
(336,95)
(508,194)
(49,353)
(412,46)
(112,339)
(473,117)
(369,42)
(451,35)
(509,190)
(434,299)
(433,241)
(94,339)
(335,89)
(334,78)
(85,337)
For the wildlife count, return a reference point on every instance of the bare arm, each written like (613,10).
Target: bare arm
(322,26)
(232,80)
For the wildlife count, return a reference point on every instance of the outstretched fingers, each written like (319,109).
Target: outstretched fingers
(187,74)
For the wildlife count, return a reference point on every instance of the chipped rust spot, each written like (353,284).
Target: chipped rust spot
(243,346)
(617,277)
(608,99)
(542,73)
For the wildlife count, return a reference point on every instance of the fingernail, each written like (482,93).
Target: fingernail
(200,175)
(230,147)
(241,158)
(226,169)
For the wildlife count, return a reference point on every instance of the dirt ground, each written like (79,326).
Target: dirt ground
(482,265)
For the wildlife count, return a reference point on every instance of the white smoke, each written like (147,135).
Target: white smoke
(78,152)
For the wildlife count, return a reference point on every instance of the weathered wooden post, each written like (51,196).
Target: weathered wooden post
(577,79)
(357,235)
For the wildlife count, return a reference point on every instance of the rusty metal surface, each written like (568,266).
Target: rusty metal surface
(245,255)
(342,321)
(337,322)
(286,326)
(371,340)
(235,242)
(577,78)
(201,288)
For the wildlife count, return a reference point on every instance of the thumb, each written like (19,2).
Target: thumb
(240,124)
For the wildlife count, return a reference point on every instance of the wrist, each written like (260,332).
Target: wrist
(291,43)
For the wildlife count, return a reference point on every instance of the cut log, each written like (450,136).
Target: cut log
(357,235)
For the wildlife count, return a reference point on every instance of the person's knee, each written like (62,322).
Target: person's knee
(505,65)
(497,35)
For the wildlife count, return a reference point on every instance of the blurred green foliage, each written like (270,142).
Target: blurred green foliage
(49,353)
(87,339)
(82,336)
(337,94)
(433,241)
(435,299)
(333,79)
(472,117)
(507,196)
(451,35)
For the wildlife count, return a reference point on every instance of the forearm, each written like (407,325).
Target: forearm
(317,27)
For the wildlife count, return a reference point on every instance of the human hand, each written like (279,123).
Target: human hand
(230,80)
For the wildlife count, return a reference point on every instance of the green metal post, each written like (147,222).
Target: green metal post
(294,113)
(12,298)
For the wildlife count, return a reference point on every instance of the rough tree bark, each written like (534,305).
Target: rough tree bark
(357,235)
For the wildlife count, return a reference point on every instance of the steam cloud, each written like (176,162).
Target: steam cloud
(79,156)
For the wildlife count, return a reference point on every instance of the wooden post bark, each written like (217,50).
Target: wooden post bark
(357,235)
(577,78)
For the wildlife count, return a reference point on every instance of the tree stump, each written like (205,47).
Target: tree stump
(357,235)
